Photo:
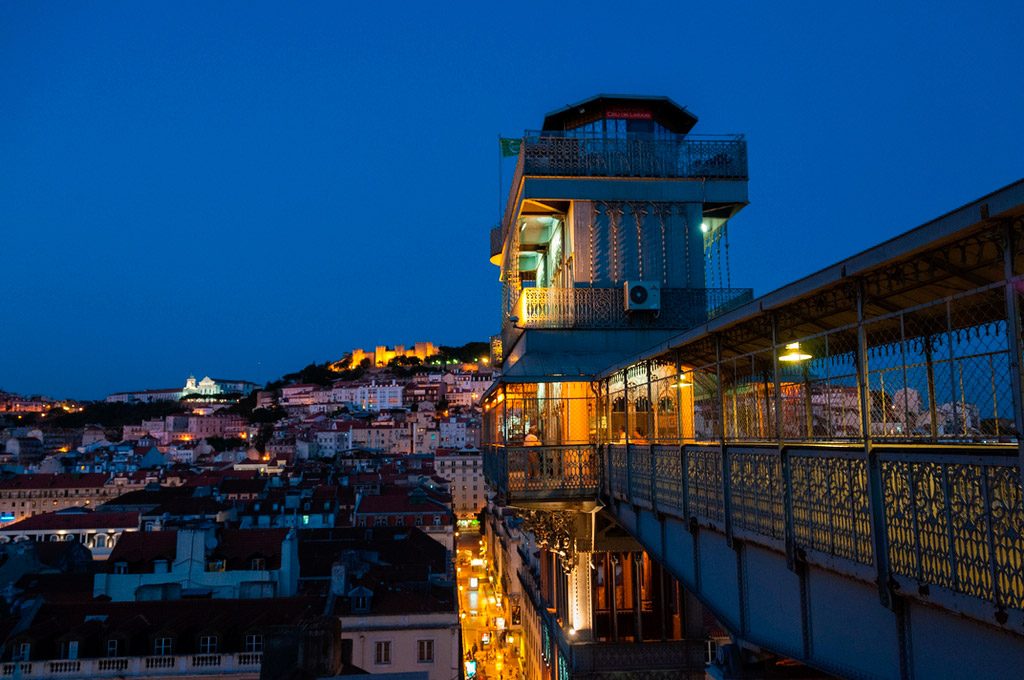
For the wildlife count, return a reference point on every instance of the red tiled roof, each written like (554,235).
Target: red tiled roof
(54,521)
(55,481)
(236,546)
(214,477)
(402,502)
(96,621)
(239,546)
(188,506)
(142,547)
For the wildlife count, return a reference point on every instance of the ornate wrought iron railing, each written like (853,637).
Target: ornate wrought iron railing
(951,523)
(543,472)
(549,154)
(956,522)
(581,308)
(634,156)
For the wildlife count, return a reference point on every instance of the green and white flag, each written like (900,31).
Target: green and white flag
(509,147)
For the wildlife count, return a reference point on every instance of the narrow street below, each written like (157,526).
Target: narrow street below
(484,629)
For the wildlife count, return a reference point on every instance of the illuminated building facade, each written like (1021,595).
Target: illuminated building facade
(381,354)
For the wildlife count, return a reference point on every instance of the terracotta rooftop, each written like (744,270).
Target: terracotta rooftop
(54,481)
(237,547)
(135,623)
(76,521)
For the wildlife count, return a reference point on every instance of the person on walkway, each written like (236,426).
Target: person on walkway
(532,456)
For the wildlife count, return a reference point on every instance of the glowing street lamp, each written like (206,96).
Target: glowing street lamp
(794,354)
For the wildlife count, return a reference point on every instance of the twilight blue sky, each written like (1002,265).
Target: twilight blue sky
(238,189)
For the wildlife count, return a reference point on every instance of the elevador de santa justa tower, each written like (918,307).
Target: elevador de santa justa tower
(614,239)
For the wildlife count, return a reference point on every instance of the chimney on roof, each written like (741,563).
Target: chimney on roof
(190,546)
(338,579)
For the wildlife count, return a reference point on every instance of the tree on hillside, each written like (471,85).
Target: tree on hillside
(314,374)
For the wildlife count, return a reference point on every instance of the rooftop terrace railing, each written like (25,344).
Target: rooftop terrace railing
(551,154)
(634,156)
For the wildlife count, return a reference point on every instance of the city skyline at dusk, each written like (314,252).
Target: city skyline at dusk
(459,342)
(242,191)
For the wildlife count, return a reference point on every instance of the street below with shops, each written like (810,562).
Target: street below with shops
(485,636)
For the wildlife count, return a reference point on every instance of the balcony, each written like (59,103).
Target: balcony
(543,473)
(547,154)
(604,309)
(600,308)
(191,665)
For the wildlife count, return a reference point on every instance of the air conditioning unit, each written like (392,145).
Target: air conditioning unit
(642,296)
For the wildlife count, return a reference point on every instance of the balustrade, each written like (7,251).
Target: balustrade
(115,667)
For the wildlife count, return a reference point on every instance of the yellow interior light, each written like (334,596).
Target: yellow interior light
(794,353)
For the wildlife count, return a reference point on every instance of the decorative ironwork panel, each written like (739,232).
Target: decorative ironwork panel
(704,482)
(964,493)
(570,471)
(617,470)
(1007,521)
(830,506)
(545,154)
(957,525)
(755,487)
(668,478)
(604,307)
(640,472)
